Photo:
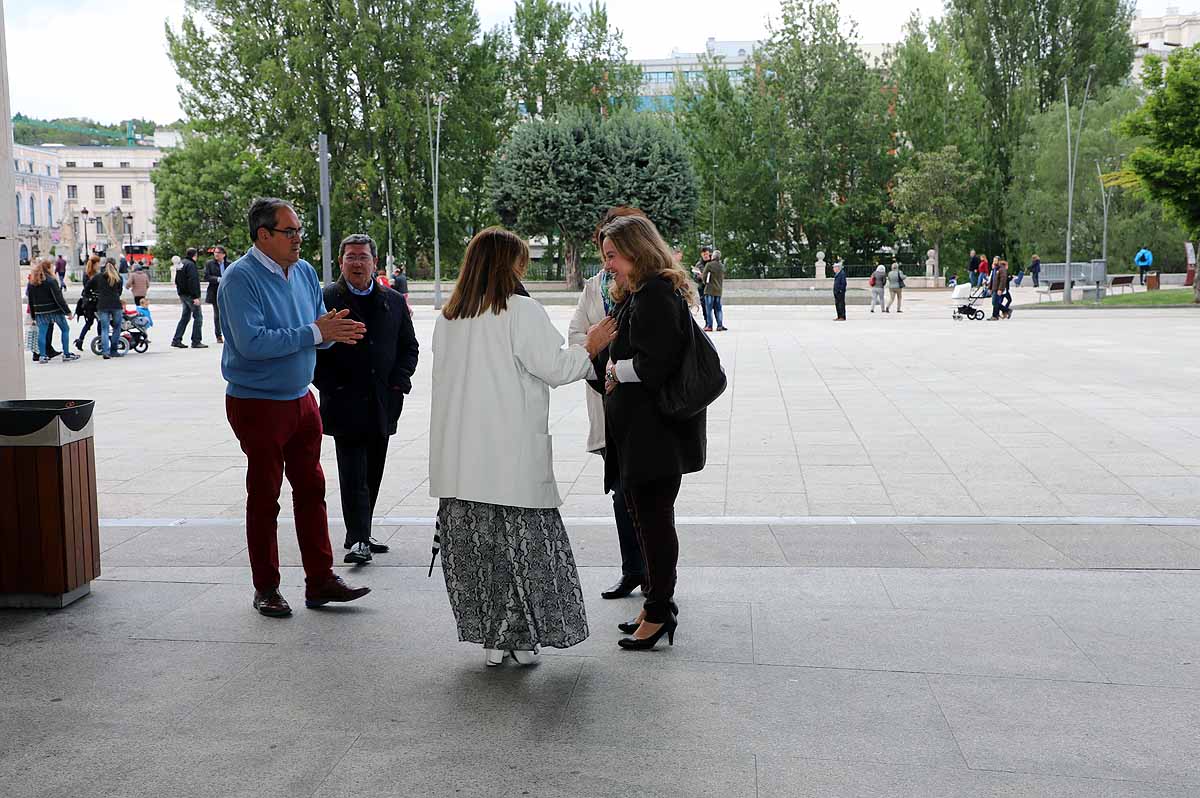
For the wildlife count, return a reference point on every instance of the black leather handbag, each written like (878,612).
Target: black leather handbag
(699,380)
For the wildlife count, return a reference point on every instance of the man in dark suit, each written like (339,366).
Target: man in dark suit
(839,289)
(214,270)
(187,286)
(362,387)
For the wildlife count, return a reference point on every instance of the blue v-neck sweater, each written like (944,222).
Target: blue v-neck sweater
(266,320)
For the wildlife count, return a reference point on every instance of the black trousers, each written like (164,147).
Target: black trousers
(652,508)
(216,309)
(360,472)
(90,320)
(839,302)
(632,562)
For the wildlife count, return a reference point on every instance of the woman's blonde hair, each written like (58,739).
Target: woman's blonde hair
(638,241)
(93,266)
(42,270)
(110,273)
(494,263)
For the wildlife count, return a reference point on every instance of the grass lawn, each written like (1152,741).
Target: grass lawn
(1171,297)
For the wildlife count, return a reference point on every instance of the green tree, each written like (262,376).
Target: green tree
(929,198)
(203,190)
(1168,160)
(563,174)
(1037,200)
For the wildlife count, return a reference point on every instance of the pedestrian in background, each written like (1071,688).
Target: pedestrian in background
(85,308)
(973,268)
(839,289)
(1144,259)
(507,561)
(49,309)
(187,286)
(107,286)
(877,284)
(647,454)
(214,270)
(1035,270)
(895,281)
(139,284)
(60,269)
(363,386)
(985,270)
(595,304)
(998,285)
(698,273)
(274,319)
(713,277)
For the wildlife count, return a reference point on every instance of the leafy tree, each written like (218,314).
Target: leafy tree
(562,174)
(930,197)
(1168,162)
(32,131)
(203,190)
(1037,200)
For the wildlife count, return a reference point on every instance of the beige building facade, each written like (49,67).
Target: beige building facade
(1160,35)
(38,201)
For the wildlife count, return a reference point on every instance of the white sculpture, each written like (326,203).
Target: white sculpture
(821,271)
(931,263)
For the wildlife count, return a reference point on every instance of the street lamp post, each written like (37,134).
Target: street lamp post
(713,229)
(129,230)
(1104,203)
(84,214)
(1072,157)
(435,154)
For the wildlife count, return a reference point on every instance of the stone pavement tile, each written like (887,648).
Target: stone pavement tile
(1118,546)
(1173,495)
(842,455)
(983,546)
(827,492)
(1074,729)
(112,536)
(848,544)
(782,776)
(766,503)
(1028,500)
(985,644)
(746,464)
(896,466)
(1126,464)
(446,690)
(833,587)
(179,545)
(699,544)
(194,574)
(1154,651)
(126,505)
(148,763)
(1030,592)
(849,507)
(908,501)
(1188,534)
(119,679)
(844,477)
(782,481)
(1108,504)
(686,706)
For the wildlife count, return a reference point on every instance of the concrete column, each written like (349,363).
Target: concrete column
(12,290)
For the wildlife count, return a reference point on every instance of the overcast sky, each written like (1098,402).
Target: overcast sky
(107,60)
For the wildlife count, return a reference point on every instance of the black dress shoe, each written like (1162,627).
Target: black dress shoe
(179,345)
(199,346)
(623,588)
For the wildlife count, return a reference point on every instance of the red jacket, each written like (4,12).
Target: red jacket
(984,268)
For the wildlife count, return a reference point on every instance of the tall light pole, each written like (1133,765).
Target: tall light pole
(1072,157)
(326,243)
(129,230)
(1104,202)
(713,229)
(387,205)
(435,154)
(84,213)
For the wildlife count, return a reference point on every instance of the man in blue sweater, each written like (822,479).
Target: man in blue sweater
(273,319)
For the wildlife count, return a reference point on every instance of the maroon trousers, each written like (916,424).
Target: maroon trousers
(283,438)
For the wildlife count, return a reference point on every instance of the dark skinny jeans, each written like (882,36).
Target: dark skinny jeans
(652,508)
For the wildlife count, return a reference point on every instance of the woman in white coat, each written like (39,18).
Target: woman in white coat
(509,570)
(878,284)
(593,307)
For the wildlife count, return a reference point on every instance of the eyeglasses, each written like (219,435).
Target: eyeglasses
(357,259)
(290,232)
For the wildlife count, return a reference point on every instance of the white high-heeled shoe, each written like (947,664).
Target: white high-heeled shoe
(494,656)
(526,657)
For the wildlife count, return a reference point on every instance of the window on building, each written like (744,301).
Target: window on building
(70,164)
(18,209)
(50,212)
(49,171)
(126,192)
(32,212)
(16,165)
(72,192)
(98,164)
(98,192)
(30,164)
(154,165)
(124,164)
(99,226)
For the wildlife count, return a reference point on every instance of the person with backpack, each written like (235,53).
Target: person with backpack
(187,286)
(1144,259)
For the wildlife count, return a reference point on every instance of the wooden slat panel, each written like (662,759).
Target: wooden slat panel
(29,546)
(71,537)
(50,526)
(93,508)
(89,547)
(10,550)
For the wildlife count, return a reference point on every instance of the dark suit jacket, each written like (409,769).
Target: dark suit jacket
(362,386)
(212,275)
(187,280)
(839,282)
(641,445)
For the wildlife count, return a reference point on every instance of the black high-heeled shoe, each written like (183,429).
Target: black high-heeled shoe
(645,644)
(629,627)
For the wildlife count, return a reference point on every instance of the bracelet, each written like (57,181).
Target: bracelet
(610,373)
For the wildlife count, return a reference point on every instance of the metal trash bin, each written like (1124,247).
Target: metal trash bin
(50,524)
(1152,281)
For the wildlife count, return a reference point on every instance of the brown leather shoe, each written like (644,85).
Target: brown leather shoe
(335,590)
(271,604)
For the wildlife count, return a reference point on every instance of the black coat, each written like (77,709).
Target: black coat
(839,282)
(641,445)
(108,297)
(187,280)
(46,299)
(363,385)
(212,275)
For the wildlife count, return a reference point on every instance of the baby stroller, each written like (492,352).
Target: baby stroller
(133,334)
(968,310)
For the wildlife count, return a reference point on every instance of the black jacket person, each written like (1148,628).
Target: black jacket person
(362,395)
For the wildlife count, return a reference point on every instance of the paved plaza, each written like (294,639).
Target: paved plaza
(928,558)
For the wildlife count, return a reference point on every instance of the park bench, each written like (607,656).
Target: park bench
(1045,291)
(1123,281)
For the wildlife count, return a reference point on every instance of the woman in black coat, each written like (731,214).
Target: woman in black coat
(107,286)
(646,452)
(85,308)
